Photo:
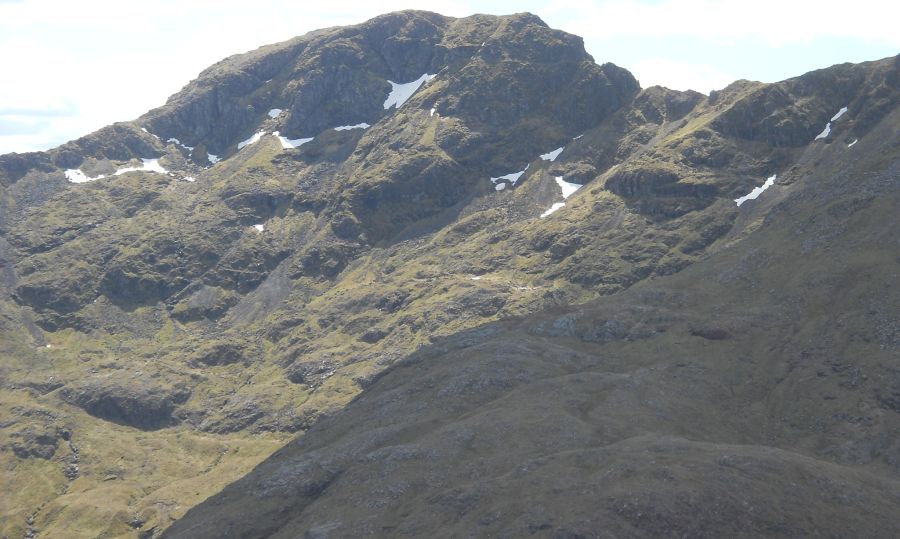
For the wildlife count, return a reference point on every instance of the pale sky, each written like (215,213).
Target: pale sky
(70,67)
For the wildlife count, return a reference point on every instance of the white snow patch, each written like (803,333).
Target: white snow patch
(49,346)
(512,177)
(148,165)
(839,114)
(825,132)
(190,179)
(252,140)
(432,112)
(476,278)
(144,129)
(287,143)
(213,159)
(852,143)
(757,190)
(259,228)
(75,175)
(400,93)
(362,125)
(553,208)
(274,113)
(178,142)
(552,155)
(578,137)
(567,187)
(500,186)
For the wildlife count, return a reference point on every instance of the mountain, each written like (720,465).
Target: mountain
(499,288)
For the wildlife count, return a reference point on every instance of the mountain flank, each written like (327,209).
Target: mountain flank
(455,261)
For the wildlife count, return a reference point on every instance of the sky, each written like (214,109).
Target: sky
(71,67)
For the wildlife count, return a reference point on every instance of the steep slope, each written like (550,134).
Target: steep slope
(753,394)
(330,208)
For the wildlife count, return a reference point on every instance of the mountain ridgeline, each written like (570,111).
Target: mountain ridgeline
(439,276)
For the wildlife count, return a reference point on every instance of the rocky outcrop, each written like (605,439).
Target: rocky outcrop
(136,402)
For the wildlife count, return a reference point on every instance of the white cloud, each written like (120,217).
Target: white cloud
(680,75)
(86,64)
(776,22)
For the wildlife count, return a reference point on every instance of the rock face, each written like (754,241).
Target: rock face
(135,403)
(186,322)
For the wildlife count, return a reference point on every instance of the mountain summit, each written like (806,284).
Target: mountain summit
(486,285)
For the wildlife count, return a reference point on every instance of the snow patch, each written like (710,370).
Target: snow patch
(567,187)
(432,112)
(75,175)
(852,143)
(274,113)
(259,228)
(400,93)
(500,186)
(578,137)
(512,177)
(553,208)
(362,125)
(178,142)
(213,159)
(476,278)
(190,179)
(757,190)
(825,132)
(252,140)
(552,155)
(287,143)
(148,165)
(839,114)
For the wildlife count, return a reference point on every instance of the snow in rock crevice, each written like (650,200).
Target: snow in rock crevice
(179,143)
(852,143)
(567,188)
(259,228)
(553,208)
(752,195)
(274,113)
(512,177)
(252,140)
(432,112)
(825,132)
(401,92)
(75,175)
(287,143)
(551,156)
(362,125)
(148,165)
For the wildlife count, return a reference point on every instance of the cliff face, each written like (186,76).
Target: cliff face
(260,249)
